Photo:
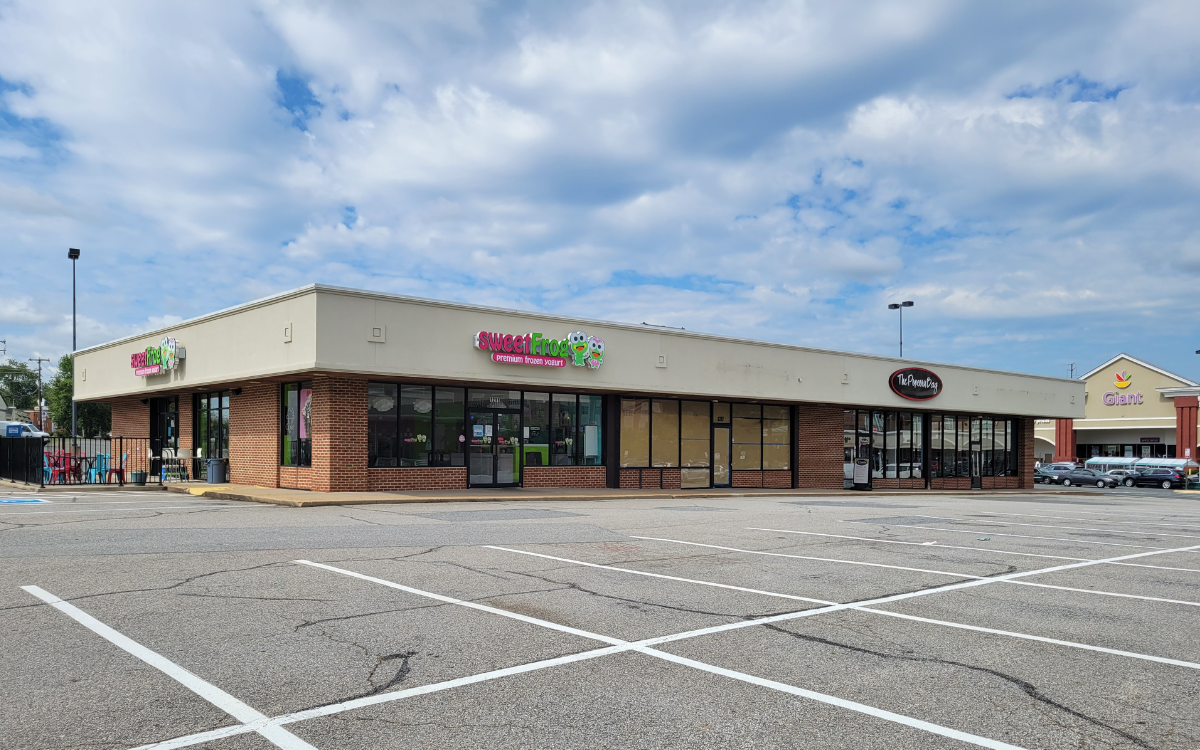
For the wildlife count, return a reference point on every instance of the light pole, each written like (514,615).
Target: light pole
(900,306)
(73,254)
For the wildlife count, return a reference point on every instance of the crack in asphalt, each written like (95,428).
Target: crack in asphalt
(1025,686)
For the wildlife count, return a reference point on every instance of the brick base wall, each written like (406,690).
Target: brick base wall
(746,479)
(410,479)
(819,443)
(950,483)
(781,480)
(296,477)
(582,477)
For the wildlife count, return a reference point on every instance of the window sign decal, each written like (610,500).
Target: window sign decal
(156,360)
(915,383)
(578,349)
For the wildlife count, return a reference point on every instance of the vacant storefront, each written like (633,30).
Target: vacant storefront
(335,389)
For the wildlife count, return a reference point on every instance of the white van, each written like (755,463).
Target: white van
(20,429)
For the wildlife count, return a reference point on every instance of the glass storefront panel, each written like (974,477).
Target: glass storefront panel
(484,398)
(904,452)
(562,429)
(849,421)
(877,442)
(720,413)
(591,414)
(890,454)
(918,441)
(383,408)
(694,440)
(537,429)
(416,424)
(635,432)
(664,433)
(449,428)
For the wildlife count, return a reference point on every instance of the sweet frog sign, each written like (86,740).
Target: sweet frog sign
(578,348)
(157,359)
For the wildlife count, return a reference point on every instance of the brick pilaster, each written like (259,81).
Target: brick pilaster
(819,441)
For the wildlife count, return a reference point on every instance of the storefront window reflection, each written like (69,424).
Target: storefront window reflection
(296,425)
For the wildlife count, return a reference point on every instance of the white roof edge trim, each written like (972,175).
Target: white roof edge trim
(346,291)
(1147,365)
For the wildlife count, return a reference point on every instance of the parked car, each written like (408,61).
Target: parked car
(1124,476)
(1057,471)
(1159,477)
(1043,475)
(1083,477)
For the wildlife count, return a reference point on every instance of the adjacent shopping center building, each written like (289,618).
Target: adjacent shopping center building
(331,389)
(1132,409)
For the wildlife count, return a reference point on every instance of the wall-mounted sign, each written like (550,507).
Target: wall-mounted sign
(1112,398)
(1150,440)
(915,383)
(157,359)
(577,348)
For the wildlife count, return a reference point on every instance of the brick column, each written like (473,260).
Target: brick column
(1185,426)
(130,418)
(1064,440)
(1025,456)
(254,435)
(339,434)
(819,442)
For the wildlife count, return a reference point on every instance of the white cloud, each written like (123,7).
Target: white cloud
(782,169)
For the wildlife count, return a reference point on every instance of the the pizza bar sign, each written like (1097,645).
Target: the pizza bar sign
(915,383)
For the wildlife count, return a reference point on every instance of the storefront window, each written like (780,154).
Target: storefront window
(416,424)
(877,441)
(694,440)
(952,438)
(747,437)
(211,428)
(482,398)
(904,446)
(985,446)
(664,433)
(964,447)
(591,415)
(449,427)
(383,406)
(777,437)
(849,417)
(296,425)
(562,429)
(635,432)
(918,444)
(537,429)
(935,447)
(891,457)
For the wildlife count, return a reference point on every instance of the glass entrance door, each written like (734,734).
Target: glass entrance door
(720,449)
(494,448)
(508,448)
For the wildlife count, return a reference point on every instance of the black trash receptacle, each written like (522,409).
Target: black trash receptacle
(216,471)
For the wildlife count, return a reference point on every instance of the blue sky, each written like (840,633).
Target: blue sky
(1028,175)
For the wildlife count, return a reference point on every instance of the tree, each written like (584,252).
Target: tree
(94,419)
(18,384)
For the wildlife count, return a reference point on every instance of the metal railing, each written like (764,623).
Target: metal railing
(21,459)
(116,460)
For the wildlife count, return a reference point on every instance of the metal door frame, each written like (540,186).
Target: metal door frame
(712,448)
(519,465)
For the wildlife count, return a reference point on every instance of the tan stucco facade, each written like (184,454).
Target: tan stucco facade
(1143,410)
(333,330)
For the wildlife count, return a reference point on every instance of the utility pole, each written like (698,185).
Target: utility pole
(1072,370)
(40,405)
(73,254)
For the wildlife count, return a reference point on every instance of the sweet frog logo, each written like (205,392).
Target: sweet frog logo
(1123,379)
(577,348)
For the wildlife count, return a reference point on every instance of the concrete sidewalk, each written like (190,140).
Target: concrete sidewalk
(305,499)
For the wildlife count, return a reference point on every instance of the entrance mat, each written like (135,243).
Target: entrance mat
(694,508)
(509,514)
(854,504)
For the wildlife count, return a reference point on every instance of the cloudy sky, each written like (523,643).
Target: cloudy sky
(1027,173)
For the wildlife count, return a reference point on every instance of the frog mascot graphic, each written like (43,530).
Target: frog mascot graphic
(577,343)
(595,356)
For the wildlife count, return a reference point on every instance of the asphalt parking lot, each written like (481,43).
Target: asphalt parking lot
(147,620)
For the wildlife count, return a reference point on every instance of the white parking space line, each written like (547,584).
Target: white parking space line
(972,549)
(997,533)
(1066,528)
(805,557)
(879,565)
(660,575)
(857,607)
(741,676)
(1091,520)
(237,709)
(135,510)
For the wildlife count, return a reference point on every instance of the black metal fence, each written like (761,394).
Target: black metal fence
(21,459)
(100,461)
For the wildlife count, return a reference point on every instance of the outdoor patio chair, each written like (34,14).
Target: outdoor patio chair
(118,470)
(96,472)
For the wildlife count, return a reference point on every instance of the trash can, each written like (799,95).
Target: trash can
(216,471)
(138,478)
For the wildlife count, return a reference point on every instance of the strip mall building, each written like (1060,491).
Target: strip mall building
(332,389)
(1132,409)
